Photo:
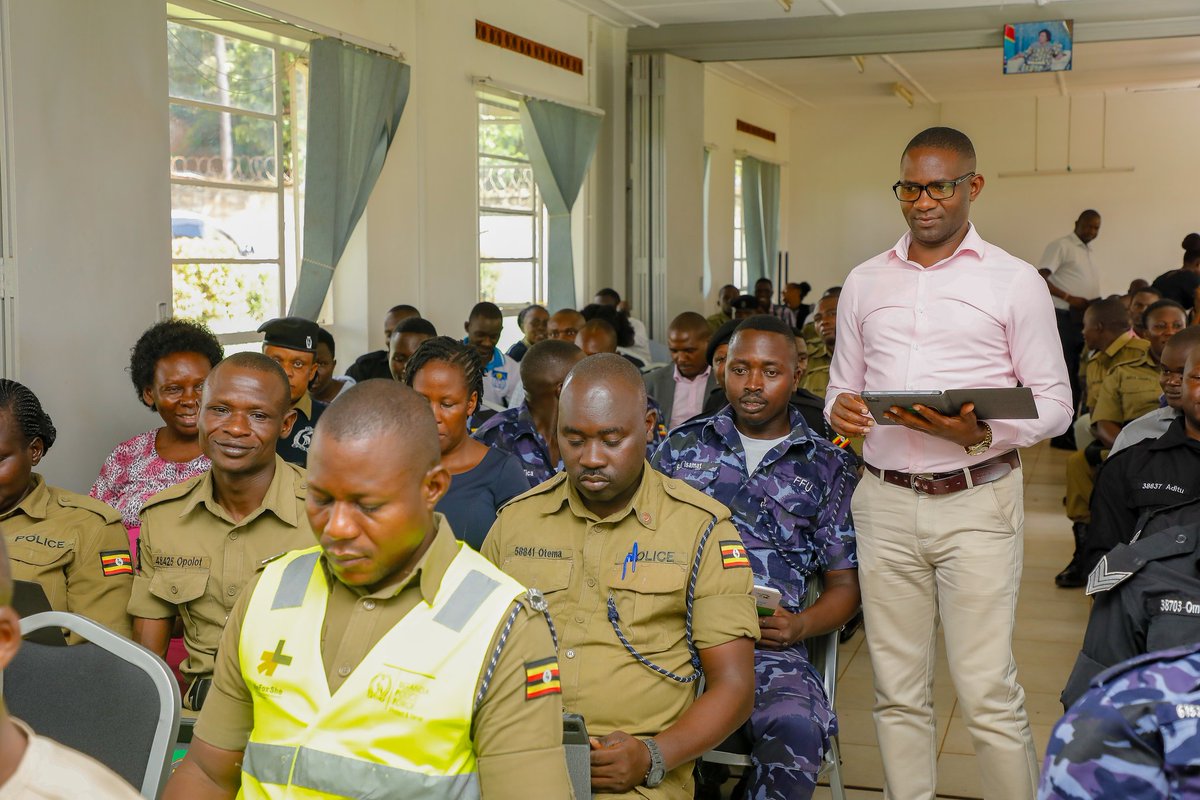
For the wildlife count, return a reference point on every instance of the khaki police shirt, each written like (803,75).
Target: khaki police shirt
(1129,387)
(518,742)
(816,379)
(76,548)
(1098,365)
(194,559)
(549,540)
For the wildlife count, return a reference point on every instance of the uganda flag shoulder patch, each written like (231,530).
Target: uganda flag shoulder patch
(541,678)
(115,562)
(733,554)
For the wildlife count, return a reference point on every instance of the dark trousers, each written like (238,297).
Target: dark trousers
(1070,332)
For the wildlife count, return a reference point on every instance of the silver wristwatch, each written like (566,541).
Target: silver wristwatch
(658,767)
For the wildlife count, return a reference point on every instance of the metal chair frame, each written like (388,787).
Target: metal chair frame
(158,767)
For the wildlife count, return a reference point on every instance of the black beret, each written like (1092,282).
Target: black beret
(721,336)
(745,302)
(293,333)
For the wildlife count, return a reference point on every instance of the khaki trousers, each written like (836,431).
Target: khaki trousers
(956,558)
(1081,480)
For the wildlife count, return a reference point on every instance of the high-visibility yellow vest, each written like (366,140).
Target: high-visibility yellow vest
(399,726)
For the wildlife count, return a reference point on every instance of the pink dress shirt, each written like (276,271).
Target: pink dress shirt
(980,318)
(689,396)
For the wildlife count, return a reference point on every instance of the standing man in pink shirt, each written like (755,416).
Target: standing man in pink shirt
(940,512)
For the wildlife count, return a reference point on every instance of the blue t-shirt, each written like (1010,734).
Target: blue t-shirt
(477,494)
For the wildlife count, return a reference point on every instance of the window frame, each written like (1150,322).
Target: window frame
(287,274)
(498,97)
(741,268)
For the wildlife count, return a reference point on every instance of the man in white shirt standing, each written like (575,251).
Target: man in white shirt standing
(939,511)
(1074,281)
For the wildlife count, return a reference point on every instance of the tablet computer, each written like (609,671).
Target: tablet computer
(994,403)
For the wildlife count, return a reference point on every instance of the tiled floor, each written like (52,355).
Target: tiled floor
(1050,625)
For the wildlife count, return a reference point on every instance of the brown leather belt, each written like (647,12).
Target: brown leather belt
(938,483)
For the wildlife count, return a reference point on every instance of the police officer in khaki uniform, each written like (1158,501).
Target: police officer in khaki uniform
(1122,384)
(203,539)
(291,342)
(72,545)
(397,593)
(613,546)
(820,352)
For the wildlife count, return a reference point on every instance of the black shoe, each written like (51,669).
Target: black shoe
(1070,578)
(1063,442)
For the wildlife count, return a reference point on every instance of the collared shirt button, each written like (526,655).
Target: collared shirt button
(233,536)
(369,604)
(579,617)
(174,590)
(570,654)
(646,517)
(232,591)
(1180,538)
(590,582)
(344,670)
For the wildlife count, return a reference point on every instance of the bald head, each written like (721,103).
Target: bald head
(263,364)
(387,412)
(545,366)
(690,322)
(597,336)
(611,371)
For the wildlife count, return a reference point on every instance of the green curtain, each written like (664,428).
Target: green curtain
(356,98)
(760,210)
(561,141)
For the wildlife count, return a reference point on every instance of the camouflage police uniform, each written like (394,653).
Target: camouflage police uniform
(793,515)
(513,431)
(1135,735)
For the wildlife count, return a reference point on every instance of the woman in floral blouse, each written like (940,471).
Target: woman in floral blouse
(168,366)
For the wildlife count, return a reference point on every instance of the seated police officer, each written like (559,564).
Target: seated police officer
(646,581)
(390,661)
(291,342)
(72,545)
(202,540)
(788,491)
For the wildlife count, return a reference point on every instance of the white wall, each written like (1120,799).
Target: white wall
(91,213)
(845,160)
(92,197)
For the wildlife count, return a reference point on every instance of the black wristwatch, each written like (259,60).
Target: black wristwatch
(658,767)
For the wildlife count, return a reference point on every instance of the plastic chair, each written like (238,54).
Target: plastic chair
(107,697)
(823,655)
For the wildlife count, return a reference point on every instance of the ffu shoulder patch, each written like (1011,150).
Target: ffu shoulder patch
(541,678)
(115,562)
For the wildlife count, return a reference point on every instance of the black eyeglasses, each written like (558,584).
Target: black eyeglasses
(937,190)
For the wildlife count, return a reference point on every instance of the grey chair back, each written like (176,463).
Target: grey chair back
(108,698)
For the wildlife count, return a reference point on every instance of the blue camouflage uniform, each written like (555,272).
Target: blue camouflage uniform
(793,515)
(513,431)
(1134,735)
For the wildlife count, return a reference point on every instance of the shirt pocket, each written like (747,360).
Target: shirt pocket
(180,588)
(44,565)
(651,604)
(544,574)
(1173,622)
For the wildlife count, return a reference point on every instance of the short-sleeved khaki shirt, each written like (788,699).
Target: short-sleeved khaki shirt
(547,539)
(194,559)
(76,548)
(518,742)
(816,377)
(1098,365)
(1129,386)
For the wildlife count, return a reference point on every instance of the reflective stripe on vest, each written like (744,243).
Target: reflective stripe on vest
(348,777)
(399,726)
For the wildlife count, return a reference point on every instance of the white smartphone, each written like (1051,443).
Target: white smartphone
(767,599)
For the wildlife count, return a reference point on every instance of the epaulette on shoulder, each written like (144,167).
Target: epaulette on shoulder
(72,500)
(1125,560)
(680,490)
(301,479)
(173,492)
(541,488)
